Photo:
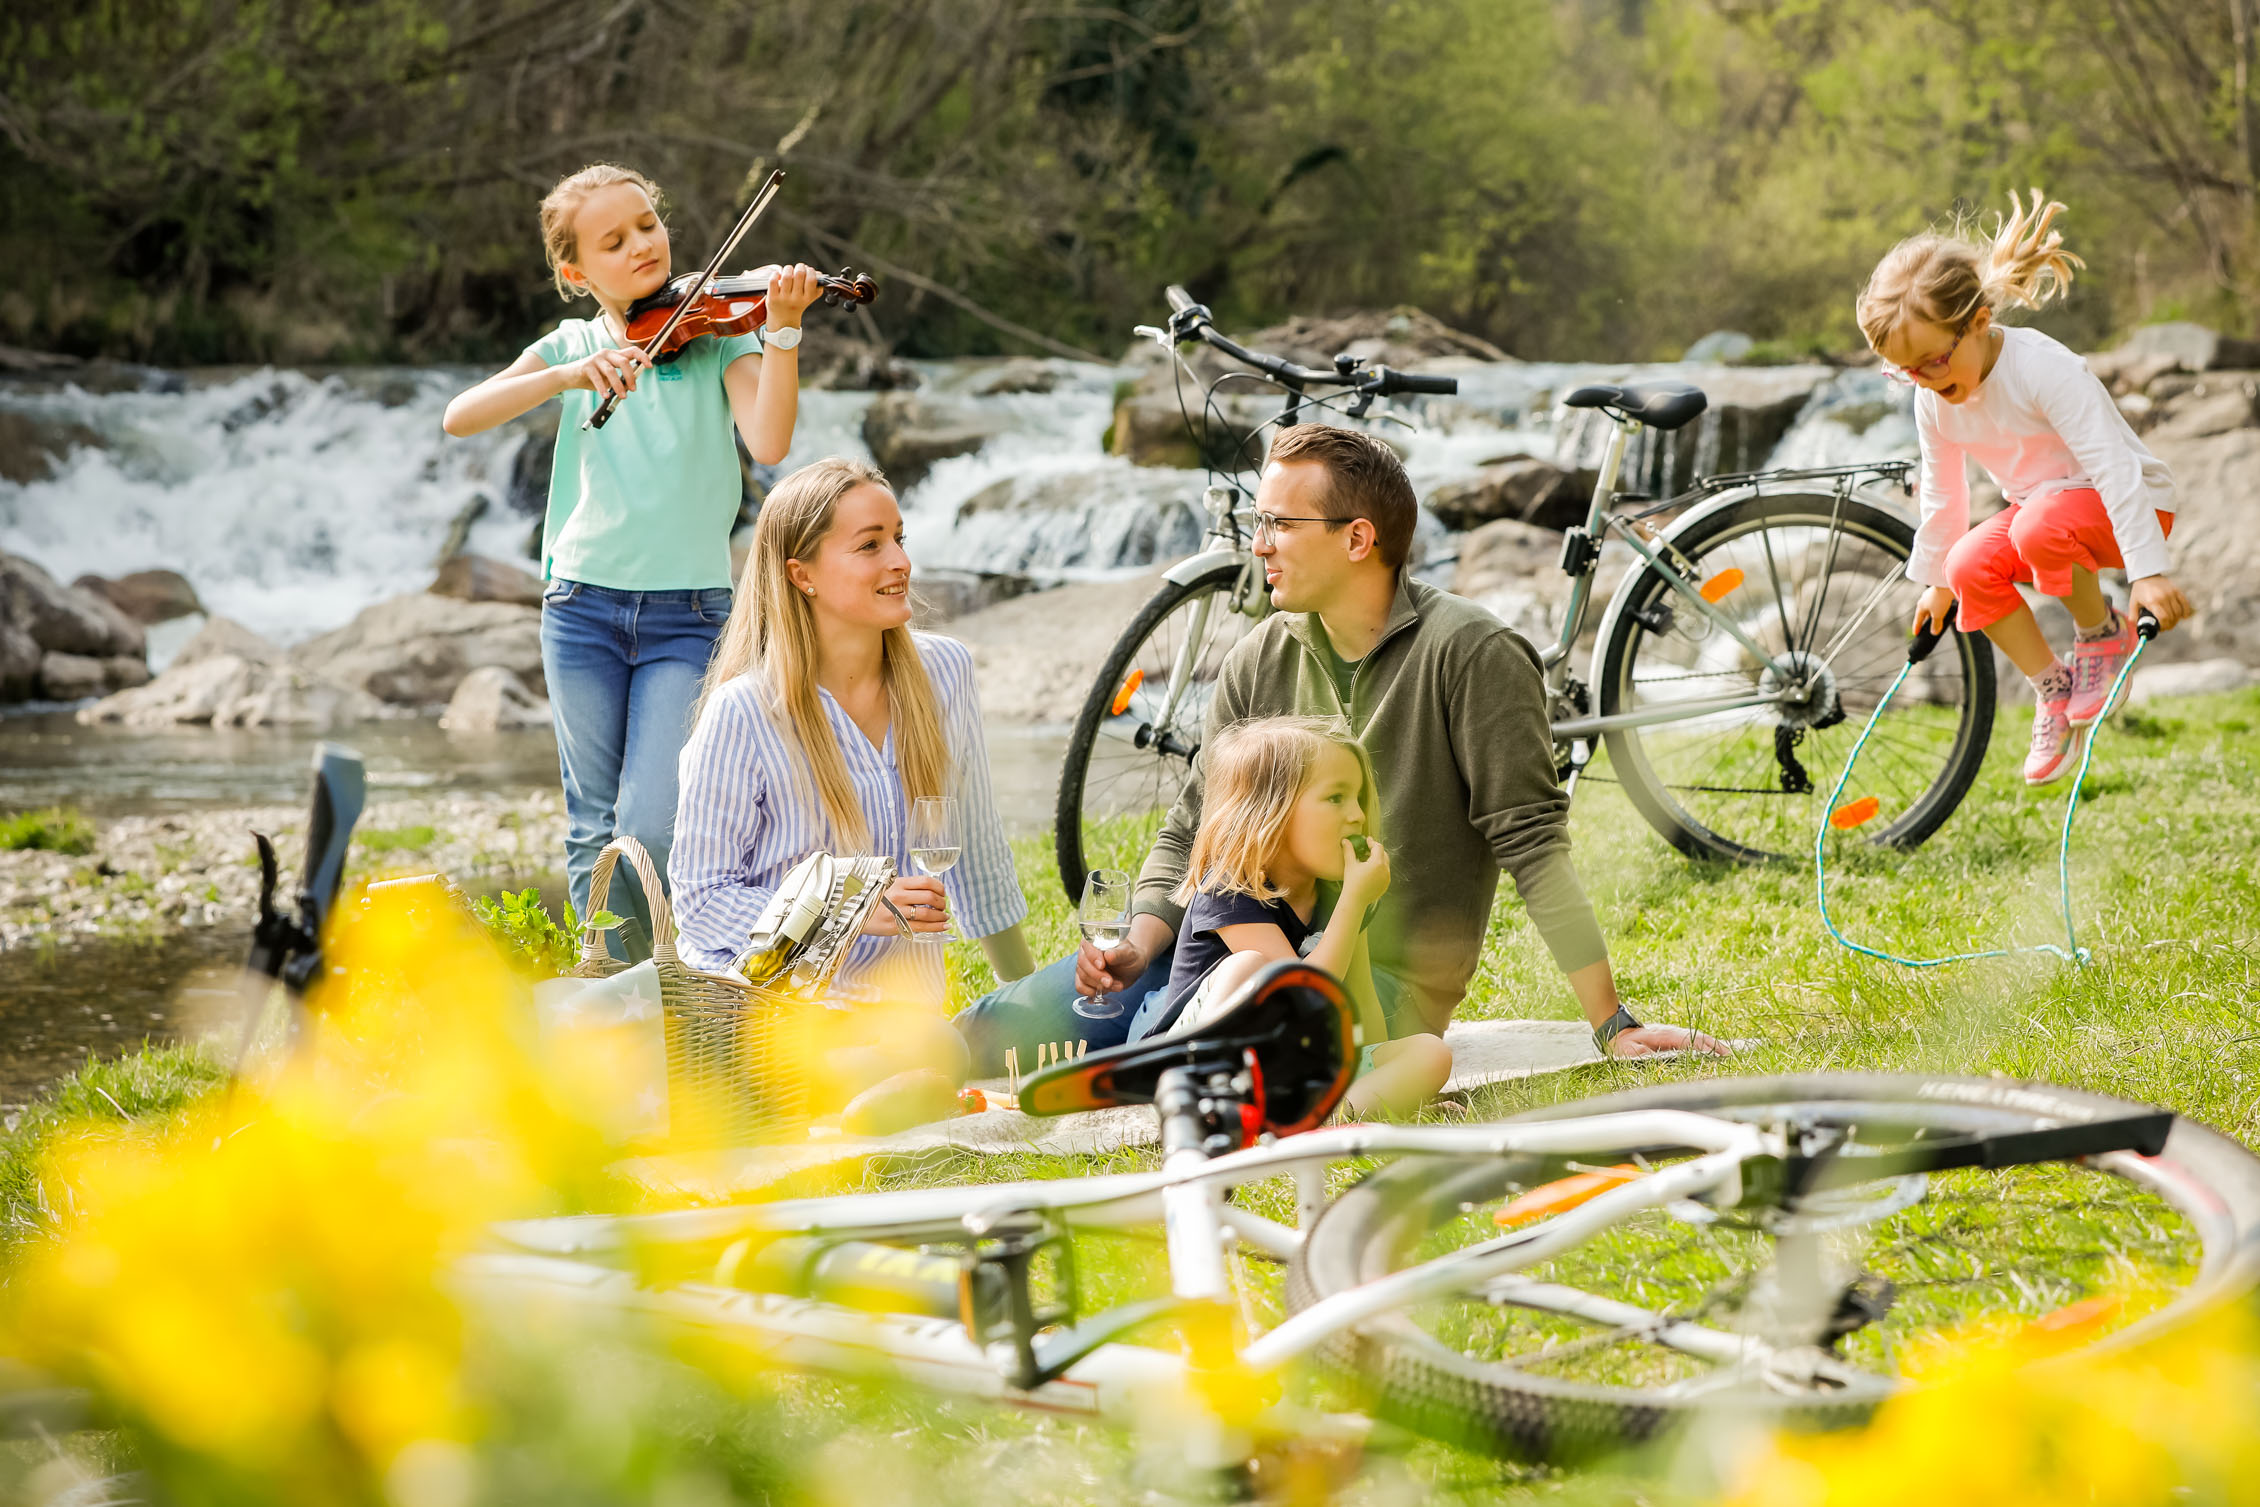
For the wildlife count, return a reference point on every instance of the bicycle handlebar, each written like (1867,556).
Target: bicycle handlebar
(1189,319)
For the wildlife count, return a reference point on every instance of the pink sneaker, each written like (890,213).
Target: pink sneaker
(2055,744)
(2094,667)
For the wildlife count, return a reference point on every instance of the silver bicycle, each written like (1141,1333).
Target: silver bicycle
(1758,621)
(1567,1283)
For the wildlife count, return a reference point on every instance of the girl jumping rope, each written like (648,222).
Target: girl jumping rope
(636,545)
(1284,865)
(2083,493)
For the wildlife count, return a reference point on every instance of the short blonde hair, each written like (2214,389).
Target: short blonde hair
(561,203)
(1946,277)
(1255,772)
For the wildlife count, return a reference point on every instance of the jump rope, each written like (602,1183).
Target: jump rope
(1859,811)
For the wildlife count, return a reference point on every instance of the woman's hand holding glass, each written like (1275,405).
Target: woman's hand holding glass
(921,900)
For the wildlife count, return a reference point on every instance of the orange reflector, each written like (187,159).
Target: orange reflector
(2079,1321)
(1121,702)
(1854,813)
(1566,1194)
(1716,588)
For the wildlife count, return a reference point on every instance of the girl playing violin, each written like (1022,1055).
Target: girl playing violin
(636,545)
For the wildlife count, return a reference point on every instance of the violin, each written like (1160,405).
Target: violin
(729,306)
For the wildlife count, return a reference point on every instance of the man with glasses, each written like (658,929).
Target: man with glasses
(1450,704)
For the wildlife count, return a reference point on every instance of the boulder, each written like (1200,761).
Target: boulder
(20,656)
(1013,374)
(941,595)
(63,618)
(1035,657)
(415,650)
(225,690)
(225,636)
(908,432)
(71,677)
(2197,678)
(30,444)
(845,363)
(2193,347)
(2213,405)
(480,578)
(527,490)
(2215,546)
(146,596)
(459,527)
(1521,487)
(2130,373)
(491,699)
(1149,430)
(1720,346)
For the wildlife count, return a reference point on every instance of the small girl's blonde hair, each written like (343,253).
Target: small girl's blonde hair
(561,203)
(1256,770)
(1945,278)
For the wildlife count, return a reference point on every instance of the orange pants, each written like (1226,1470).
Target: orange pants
(2038,544)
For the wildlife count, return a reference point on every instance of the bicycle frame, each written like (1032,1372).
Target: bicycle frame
(1581,556)
(1089,1372)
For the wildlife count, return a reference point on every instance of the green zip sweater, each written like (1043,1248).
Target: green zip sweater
(1451,706)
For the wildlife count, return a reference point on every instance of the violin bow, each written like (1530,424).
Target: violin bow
(658,341)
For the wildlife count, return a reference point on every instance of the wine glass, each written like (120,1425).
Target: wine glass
(934,845)
(1105,918)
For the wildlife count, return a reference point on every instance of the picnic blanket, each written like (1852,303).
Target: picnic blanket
(1483,1051)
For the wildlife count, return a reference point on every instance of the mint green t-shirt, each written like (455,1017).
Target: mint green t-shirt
(647,502)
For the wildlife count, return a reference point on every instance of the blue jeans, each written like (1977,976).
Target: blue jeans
(624,668)
(1041,1007)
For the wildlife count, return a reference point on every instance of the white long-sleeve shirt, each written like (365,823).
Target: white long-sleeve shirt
(2039,423)
(748,812)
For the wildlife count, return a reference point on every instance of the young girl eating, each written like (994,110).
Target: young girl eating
(2083,493)
(636,545)
(1283,865)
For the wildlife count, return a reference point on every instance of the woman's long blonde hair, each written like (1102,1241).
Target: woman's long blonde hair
(1946,277)
(773,627)
(1256,770)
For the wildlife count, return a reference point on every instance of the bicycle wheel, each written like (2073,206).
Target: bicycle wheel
(1821,586)
(1915,1257)
(1140,727)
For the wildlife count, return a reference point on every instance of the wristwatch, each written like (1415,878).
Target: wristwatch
(1610,1029)
(782,339)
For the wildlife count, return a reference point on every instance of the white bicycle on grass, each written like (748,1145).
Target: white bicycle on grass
(1555,1286)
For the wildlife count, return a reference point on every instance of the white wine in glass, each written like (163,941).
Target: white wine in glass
(934,845)
(1104,915)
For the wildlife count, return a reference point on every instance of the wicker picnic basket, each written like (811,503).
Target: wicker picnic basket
(732,1075)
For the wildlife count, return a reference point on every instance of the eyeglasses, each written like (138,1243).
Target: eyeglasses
(1268,523)
(1926,371)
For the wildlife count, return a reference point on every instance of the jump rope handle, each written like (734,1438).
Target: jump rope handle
(1926,638)
(2146,625)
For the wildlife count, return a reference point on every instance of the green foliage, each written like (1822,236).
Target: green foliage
(1600,178)
(57,829)
(525,928)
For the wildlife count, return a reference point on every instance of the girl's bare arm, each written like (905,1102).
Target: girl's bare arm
(528,382)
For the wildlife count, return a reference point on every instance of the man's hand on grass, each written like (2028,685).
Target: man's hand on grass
(1646,1041)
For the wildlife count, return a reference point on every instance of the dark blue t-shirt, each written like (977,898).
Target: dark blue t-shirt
(1200,949)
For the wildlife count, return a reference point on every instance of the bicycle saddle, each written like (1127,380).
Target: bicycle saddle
(1659,405)
(1293,1017)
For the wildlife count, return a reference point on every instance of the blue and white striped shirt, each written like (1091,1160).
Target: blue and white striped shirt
(748,812)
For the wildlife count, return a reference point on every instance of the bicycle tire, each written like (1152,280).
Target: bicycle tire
(1888,537)
(1418,1381)
(1069,844)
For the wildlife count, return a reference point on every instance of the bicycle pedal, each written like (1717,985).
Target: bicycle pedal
(1013,1286)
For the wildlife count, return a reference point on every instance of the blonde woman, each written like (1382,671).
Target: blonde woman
(823,718)
(2084,494)
(1285,865)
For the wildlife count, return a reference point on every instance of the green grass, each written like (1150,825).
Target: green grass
(396,839)
(57,829)
(2167,894)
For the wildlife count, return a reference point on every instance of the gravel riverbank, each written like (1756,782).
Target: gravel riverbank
(151,876)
